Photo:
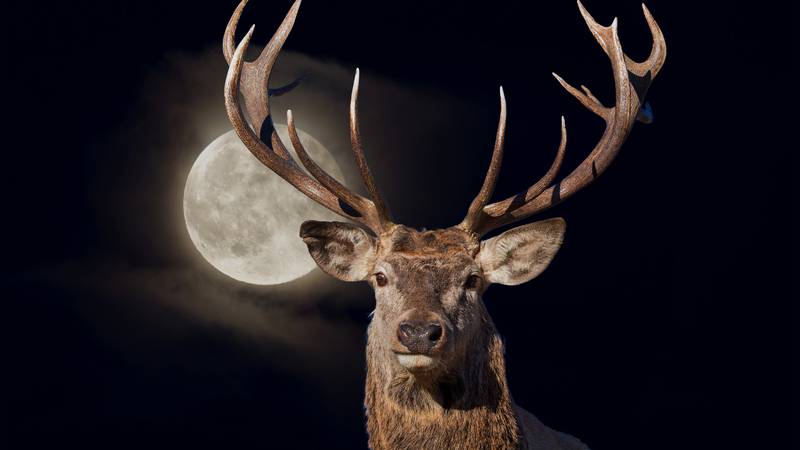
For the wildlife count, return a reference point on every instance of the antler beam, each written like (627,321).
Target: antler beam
(251,80)
(631,81)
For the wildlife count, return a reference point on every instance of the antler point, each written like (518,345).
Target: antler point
(646,11)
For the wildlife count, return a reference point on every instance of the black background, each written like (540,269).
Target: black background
(665,321)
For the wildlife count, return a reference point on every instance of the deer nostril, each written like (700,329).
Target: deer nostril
(434,332)
(406,331)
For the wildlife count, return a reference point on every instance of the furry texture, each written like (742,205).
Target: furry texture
(468,409)
(459,398)
(464,409)
(344,251)
(522,253)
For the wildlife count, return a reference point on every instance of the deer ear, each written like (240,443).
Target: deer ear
(522,253)
(340,249)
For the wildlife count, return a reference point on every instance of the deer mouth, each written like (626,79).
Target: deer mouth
(416,361)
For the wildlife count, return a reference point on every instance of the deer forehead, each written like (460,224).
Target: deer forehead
(428,272)
(446,244)
(423,263)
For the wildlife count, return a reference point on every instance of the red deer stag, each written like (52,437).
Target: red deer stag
(435,368)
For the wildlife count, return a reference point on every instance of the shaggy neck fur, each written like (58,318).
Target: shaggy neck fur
(471,408)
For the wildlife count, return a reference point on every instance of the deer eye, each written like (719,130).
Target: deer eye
(380,279)
(473,282)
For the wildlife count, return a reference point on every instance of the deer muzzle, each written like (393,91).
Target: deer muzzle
(421,337)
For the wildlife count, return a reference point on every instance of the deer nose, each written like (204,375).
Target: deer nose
(419,337)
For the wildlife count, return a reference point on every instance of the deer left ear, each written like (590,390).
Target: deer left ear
(340,249)
(522,253)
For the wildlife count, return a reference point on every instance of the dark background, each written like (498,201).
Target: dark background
(665,321)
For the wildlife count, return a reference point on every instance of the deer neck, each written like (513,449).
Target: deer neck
(469,408)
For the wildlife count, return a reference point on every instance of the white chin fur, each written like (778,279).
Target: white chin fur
(415,361)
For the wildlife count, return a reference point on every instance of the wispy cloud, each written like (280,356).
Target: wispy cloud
(143,279)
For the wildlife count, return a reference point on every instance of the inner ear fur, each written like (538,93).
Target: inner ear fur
(340,249)
(522,253)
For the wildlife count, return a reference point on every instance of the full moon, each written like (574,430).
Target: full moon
(244,219)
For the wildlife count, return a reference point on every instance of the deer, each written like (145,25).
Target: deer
(436,376)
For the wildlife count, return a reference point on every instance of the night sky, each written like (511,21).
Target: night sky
(664,322)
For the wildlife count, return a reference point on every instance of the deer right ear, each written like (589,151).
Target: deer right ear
(522,253)
(340,249)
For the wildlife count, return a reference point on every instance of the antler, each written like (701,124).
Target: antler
(631,81)
(251,79)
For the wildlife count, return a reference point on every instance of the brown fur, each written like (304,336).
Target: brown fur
(461,400)
(471,409)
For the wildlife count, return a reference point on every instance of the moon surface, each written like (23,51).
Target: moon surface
(244,219)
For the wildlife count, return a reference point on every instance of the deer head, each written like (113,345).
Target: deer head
(429,316)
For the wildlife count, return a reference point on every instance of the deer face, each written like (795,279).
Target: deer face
(429,284)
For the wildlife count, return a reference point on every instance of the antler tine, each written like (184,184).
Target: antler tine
(508,205)
(586,98)
(658,51)
(631,81)
(273,154)
(361,160)
(255,74)
(229,46)
(489,182)
(229,39)
(326,180)
(551,173)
